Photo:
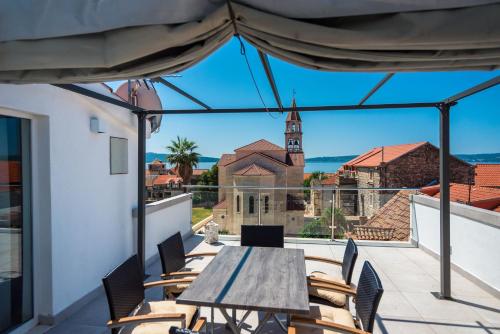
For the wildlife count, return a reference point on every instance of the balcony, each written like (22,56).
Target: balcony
(409,270)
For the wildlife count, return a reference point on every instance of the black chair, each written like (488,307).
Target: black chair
(320,295)
(263,235)
(173,262)
(367,296)
(125,293)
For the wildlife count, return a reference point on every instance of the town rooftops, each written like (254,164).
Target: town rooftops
(481,197)
(260,145)
(166,179)
(199,171)
(253,170)
(330,180)
(487,175)
(384,154)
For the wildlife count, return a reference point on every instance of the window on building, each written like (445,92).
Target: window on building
(251,205)
(296,145)
(293,127)
(371,174)
(290,144)
(118,160)
(266,204)
(238,203)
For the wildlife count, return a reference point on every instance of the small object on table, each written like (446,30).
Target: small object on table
(211,233)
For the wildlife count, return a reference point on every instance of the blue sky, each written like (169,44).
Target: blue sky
(222,80)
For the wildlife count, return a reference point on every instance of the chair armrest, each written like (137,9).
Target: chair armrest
(322,324)
(347,291)
(137,319)
(323,259)
(200,323)
(201,254)
(168,282)
(327,281)
(181,273)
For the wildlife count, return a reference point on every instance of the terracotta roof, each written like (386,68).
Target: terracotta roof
(330,180)
(295,159)
(481,197)
(487,175)
(293,115)
(377,155)
(260,145)
(166,179)
(10,171)
(394,214)
(258,153)
(226,159)
(253,170)
(157,162)
(220,205)
(198,172)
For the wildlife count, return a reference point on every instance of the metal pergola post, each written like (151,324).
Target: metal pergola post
(141,185)
(444,199)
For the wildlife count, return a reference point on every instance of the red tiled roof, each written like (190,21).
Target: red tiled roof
(394,214)
(377,155)
(487,175)
(261,154)
(260,145)
(198,172)
(330,180)
(10,171)
(226,159)
(253,170)
(157,162)
(166,179)
(220,205)
(481,197)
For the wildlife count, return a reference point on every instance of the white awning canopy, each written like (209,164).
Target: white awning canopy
(59,41)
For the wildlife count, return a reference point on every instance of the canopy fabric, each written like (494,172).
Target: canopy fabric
(63,41)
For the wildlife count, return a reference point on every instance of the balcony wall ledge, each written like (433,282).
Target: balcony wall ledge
(165,203)
(483,216)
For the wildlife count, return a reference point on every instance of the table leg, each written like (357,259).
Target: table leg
(283,327)
(232,325)
(267,316)
(212,320)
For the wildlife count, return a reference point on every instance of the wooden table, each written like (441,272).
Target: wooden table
(272,280)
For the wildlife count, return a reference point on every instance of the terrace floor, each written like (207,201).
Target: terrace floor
(408,276)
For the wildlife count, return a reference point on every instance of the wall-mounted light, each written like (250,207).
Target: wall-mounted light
(96,126)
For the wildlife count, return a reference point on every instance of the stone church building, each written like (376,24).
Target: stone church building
(247,179)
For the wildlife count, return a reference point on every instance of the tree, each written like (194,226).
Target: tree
(210,177)
(183,156)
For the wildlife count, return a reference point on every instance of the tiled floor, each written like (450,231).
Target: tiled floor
(408,276)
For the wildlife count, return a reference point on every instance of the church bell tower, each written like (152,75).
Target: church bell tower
(293,130)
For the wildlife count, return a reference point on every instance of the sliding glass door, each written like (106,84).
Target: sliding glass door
(16,291)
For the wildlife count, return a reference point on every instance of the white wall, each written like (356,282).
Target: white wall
(90,215)
(475,236)
(164,219)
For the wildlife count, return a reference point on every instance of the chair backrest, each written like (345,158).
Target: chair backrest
(263,235)
(172,254)
(350,256)
(369,292)
(124,288)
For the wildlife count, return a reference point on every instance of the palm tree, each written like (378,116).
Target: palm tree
(183,157)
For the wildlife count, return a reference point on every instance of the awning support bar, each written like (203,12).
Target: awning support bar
(473,90)
(377,87)
(270,77)
(180,91)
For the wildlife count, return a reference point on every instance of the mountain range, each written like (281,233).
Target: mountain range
(471,158)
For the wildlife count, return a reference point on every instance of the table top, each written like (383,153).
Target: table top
(252,278)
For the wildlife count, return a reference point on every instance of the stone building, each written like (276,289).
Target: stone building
(263,165)
(398,166)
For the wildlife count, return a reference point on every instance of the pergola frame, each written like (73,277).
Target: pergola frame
(443,106)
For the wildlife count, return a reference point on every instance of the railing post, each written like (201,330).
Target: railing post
(333,214)
(444,201)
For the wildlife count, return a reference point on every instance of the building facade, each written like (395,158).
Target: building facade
(248,178)
(399,166)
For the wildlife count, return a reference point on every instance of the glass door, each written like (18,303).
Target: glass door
(16,292)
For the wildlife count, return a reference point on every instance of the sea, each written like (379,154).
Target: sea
(310,167)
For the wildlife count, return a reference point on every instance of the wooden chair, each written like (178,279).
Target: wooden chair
(318,293)
(125,293)
(263,235)
(337,320)
(173,262)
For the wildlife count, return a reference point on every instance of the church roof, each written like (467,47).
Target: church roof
(226,159)
(260,145)
(253,170)
(294,114)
